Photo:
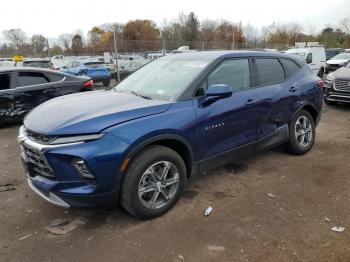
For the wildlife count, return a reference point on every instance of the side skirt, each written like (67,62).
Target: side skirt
(279,136)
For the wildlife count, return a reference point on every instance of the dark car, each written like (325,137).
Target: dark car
(22,89)
(177,116)
(337,86)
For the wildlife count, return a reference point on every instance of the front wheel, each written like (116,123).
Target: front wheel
(153,182)
(301,133)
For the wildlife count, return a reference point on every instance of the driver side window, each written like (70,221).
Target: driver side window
(234,73)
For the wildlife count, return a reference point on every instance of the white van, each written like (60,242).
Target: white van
(314,56)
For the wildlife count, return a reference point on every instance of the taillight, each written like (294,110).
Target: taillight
(89,84)
(320,84)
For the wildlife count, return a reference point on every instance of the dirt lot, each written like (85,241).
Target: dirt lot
(246,225)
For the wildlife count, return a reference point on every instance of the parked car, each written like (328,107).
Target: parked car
(314,56)
(36,62)
(22,89)
(332,52)
(175,117)
(98,71)
(337,61)
(337,86)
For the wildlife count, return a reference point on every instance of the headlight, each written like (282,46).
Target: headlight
(330,77)
(75,139)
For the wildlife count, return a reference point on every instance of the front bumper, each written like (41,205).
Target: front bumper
(65,186)
(336,95)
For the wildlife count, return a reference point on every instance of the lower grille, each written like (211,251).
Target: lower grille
(37,162)
(342,85)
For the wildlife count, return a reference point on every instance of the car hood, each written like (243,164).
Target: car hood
(90,112)
(342,73)
(337,61)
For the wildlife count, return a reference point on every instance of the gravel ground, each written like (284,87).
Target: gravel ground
(269,207)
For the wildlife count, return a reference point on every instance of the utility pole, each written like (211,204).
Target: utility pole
(233,40)
(116,53)
(48,49)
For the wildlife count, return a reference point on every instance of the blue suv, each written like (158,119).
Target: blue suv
(177,116)
(98,71)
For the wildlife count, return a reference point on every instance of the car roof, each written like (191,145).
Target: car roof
(211,56)
(32,69)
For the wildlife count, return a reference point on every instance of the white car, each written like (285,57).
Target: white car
(314,56)
(337,61)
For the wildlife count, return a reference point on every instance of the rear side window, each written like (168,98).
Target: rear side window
(270,71)
(290,67)
(31,78)
(233,72)
(5,81)
(55,77)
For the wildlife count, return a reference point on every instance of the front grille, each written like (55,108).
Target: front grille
(342,85)
(37,162)
(39,138)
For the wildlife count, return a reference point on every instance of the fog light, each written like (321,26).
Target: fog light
(79,164)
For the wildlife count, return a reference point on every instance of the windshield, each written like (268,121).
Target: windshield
(163,79)
(342,56)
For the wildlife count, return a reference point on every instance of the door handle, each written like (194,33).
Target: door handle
(250,102)
(293,89)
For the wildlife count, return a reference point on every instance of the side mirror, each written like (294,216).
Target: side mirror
(309,59)
(219,91)
(216,92)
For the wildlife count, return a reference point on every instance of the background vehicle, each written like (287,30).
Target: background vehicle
(22,89)
(141,141)
(337,61)
(313,55)
(98,71)
(332,52)
(337,86)
(36,62)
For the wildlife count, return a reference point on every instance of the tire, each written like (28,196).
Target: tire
(106,82)
(298,132)
(143,173)
(329,102)
(321,73)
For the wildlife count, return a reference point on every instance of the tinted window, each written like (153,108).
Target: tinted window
(4,81)
(309,58)
(55,77)
(31,78)
(270,71)
(290,67)
(231,72)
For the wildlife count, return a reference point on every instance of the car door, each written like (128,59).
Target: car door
(231,122)
(7,95)
(277,96)
(32,89)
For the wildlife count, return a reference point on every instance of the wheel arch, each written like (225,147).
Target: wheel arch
(173,141)
(311,109)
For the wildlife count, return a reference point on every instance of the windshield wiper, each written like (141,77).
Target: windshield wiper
(140,95)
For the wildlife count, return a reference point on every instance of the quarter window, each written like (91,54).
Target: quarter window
(31,78)
(290,67)
(270,71)
(233,72)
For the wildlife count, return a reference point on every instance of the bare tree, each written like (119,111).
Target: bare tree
(65,40)
(293,30)
(250,33)
(16,37)
(345,24)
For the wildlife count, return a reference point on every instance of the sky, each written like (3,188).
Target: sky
(51,18)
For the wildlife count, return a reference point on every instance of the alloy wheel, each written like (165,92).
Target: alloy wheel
(158,185)
(303,131)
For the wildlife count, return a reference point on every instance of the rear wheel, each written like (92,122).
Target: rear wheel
(153,182)
(301,133)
